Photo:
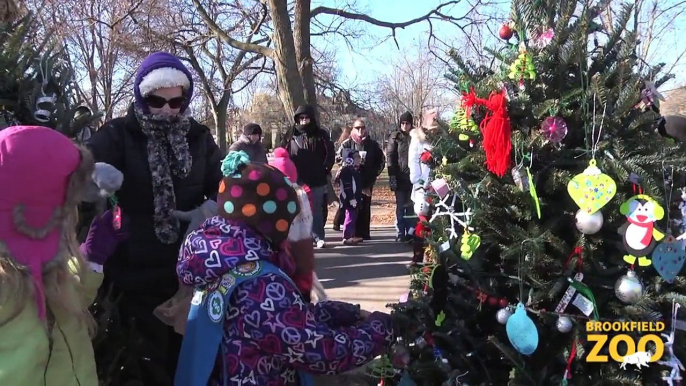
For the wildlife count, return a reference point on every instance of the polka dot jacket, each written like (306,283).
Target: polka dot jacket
(270,332)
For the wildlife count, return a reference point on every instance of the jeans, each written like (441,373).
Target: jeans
(349,223)
(318,220)
(403,209)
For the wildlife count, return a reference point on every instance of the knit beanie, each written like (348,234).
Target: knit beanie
(161,70)
(252,128)
(282,162)
(258,195)
(406,117)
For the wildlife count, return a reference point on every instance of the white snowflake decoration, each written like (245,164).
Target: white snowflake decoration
(461,218)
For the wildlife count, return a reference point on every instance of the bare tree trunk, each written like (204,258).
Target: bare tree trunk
(301,36)
(290,84)
(220,115)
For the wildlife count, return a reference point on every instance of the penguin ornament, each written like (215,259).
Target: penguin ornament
(639,233)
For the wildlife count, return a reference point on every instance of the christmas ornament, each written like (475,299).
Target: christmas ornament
(588,224)
(569,294)
(442,208)
(523,67)
(639,232)
(496,130)
(668,258)
(440,187)
(503,315)
(506,31)
(554,129)
(470,242)
(649,97)
(541,38)
(672,361)
(520,175)
(564,324)
(522,331)
(628,288)
(592,189)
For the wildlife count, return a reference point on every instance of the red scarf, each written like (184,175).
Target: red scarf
(649,234)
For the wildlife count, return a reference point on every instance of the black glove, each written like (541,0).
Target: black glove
(392,183)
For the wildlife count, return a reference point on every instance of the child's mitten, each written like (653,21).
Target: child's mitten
(106,180)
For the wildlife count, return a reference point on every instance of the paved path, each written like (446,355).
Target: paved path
(372,273)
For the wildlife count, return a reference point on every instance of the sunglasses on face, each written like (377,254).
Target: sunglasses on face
(158,102)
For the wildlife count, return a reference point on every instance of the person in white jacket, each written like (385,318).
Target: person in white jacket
(419,177)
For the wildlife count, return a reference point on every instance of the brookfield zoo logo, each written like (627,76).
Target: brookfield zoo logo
(638,354)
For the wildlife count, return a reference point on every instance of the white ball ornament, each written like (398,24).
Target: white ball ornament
(629,288)
(503,315)
(564,324)
(589,224)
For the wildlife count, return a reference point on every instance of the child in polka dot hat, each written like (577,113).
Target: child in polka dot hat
(248,323)
(258,195)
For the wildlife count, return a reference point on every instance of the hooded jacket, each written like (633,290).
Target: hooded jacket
(311,150)
(255,151)
(397,158)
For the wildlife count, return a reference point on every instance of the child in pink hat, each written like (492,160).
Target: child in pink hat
(47,281)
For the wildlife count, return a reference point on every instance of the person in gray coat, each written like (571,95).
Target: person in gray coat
(251,143)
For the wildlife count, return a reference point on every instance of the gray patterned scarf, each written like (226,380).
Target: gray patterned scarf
(167,153)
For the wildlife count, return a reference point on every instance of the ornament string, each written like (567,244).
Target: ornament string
(594,140)
(668,185)
(519,270)
(568,369)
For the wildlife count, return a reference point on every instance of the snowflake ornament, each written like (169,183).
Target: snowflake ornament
(442,208)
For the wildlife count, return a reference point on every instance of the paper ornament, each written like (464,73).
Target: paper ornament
(522,331)
(440,187)
(592,189)
(470,243)
(639,234)
(668,258)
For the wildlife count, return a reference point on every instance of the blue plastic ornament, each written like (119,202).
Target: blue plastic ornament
(406,380)
(522,331)
(668,258)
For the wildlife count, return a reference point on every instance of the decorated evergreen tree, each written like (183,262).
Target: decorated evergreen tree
(36,83)
(556,213)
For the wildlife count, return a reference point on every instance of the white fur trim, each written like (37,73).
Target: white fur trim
(162,78)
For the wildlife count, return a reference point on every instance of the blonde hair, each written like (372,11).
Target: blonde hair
(61,275)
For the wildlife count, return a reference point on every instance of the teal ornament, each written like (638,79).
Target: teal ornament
(522,331)
(232,163)
(406,380)
(668,258)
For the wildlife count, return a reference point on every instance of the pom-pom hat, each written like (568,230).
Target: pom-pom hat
(258,195)
(282,161)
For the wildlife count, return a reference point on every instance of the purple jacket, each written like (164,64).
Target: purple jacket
(270,331)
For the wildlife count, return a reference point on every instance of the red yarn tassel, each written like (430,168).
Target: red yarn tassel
(496,130)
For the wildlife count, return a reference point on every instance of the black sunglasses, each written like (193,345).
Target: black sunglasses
(158,102)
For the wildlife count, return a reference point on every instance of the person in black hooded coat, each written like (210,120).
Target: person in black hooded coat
(312,152)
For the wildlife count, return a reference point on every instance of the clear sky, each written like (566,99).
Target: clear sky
(363,64)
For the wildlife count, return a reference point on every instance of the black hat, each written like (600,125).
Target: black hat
(406,117)
(252,128)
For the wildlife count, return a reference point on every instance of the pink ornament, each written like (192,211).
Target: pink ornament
(554,129)
(440,187)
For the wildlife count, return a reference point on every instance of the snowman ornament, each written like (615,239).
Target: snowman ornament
(639,234)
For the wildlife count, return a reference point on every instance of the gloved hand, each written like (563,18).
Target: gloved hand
(106,180)
(353,203)
(103,239)
(197,216)
(392,183)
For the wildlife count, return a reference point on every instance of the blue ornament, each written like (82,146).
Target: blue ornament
(522,331)
(668,258)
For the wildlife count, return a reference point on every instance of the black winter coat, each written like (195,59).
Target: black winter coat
(144,266)
(397,158)
(311,151)
(373,163)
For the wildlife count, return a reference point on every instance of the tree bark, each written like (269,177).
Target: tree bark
(220,120)
(301,36)
(289,82)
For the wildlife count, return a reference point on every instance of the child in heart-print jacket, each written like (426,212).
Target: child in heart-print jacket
(270,334)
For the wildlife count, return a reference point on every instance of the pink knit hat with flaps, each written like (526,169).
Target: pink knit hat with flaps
(282,162)
(43,174)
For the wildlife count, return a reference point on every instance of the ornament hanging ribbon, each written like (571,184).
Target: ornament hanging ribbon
(496,130)
(568,369)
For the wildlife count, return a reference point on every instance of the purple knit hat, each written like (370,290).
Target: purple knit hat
(160,70)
